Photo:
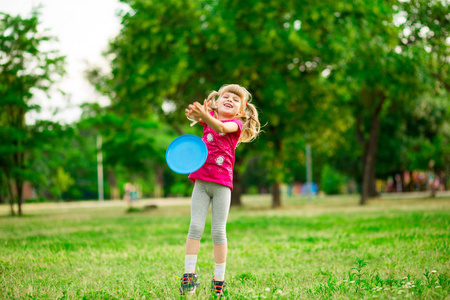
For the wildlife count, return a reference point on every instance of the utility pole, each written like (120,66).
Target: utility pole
(308,172)
(100,167)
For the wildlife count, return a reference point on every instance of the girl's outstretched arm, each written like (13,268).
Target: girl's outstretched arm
(197,111)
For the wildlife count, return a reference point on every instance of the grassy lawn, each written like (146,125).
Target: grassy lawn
(329,249)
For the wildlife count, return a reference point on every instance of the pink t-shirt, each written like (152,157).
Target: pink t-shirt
(219,164)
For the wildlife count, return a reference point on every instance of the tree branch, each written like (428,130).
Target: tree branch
(359,133)
(442,81)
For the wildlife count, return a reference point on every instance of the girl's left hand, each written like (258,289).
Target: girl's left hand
(196,111)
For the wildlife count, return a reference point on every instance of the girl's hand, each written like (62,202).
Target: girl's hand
(196,111)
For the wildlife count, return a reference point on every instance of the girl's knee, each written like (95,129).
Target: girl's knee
(196,231)
(219,236)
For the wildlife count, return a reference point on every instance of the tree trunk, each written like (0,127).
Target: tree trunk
(237,189)
(19,185)
(278,168)
(370,153)
(159,182)
(11,195)
(372,177)
(112,181)
(9,190)
(276,197)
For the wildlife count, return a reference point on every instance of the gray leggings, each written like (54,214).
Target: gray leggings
(204,193)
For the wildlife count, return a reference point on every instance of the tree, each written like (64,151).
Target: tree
(25,69)
(178,56)
(304,62)
(379,72)
(136,145)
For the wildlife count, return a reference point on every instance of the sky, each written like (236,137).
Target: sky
(83,29)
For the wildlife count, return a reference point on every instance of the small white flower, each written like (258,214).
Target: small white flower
(220,160)
(279,291)
(267,289)
(433,271)
(352,281)
(209,137)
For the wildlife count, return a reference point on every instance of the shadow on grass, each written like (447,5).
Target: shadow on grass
(16,216)
(147,208)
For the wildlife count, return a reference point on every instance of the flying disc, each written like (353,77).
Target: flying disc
(186,154)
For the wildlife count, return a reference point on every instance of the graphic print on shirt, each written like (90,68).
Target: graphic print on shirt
(210,137)
(219,160)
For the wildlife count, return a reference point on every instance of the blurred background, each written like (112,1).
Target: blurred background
(353,96)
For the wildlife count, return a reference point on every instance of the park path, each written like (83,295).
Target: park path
(94,204)
(163,202)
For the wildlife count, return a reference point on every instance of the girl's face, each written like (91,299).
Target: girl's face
(228,105)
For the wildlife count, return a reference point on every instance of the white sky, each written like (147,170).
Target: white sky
(83,28)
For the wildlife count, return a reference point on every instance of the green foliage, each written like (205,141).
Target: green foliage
(304,62)
(331,181)
(61,182)
(133,148)
(318,72)
(25,68)
(180,189)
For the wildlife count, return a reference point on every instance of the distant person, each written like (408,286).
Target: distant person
(431,184)
(127,192)
(228,119)
(398,183)
(133,193)
(390,185)
(442,181)
(407,181)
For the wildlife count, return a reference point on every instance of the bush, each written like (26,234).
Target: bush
(181,189)
(331,181)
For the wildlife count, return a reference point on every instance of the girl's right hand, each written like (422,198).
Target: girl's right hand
(196,111)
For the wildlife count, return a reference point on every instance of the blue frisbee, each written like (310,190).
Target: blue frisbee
(186,154)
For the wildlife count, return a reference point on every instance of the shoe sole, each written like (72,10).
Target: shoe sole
(183,293)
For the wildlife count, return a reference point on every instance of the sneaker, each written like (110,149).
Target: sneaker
(189,283)
(217,287)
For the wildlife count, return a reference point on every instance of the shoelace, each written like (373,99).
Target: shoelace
(218,287)
(187,279)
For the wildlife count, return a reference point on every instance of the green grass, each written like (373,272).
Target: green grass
(330,249)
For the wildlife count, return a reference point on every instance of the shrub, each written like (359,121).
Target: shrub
(331,181)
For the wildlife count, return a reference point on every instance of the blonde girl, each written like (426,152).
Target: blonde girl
(228,118)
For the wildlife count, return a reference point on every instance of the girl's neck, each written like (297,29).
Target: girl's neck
(224,118)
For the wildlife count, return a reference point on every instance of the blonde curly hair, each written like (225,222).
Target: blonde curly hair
(251,126)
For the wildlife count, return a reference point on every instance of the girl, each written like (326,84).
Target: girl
(228,119)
